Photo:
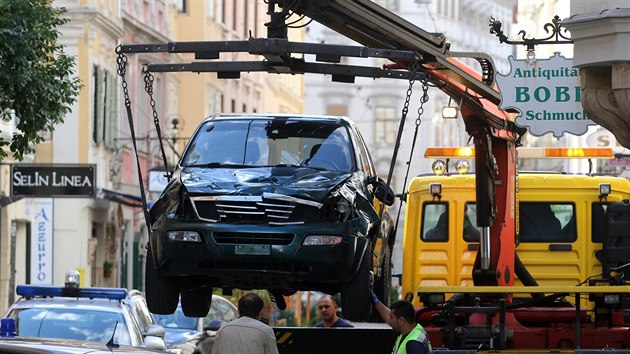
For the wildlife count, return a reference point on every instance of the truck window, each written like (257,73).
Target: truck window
(471,231)
(547,222)
(434,222)
(598,220)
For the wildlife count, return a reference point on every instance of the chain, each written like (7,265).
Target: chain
(413,68)
(148,87)
(121,60)
(423,99)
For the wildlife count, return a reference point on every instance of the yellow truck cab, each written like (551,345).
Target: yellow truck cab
(559,235)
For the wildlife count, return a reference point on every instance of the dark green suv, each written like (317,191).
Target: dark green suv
(277,202)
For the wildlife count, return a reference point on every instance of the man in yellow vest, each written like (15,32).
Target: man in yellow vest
(401,316)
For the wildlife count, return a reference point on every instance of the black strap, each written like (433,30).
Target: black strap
(122,68)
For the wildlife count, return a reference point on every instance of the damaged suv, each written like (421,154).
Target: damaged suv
(276,202)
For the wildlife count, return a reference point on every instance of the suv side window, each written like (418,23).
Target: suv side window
(434,222)
(547,222)
(366,160)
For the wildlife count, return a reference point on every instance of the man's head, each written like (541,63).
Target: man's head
(327,310)
(250,305)
(402,317)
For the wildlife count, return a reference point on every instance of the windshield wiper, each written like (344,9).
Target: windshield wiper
(217,164)
(284,165)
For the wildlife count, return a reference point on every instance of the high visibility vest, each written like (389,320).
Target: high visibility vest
(418,334)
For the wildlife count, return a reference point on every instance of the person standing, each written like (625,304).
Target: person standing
(247,334)
(401,316)
(327,312)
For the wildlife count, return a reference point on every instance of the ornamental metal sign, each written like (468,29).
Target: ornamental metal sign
(39,180)
(547,94)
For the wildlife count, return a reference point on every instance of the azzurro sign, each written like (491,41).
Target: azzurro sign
(547,93)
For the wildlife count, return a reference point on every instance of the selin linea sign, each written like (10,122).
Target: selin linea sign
(35,180)
(547,94)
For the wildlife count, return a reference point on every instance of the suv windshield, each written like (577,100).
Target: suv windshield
(268,143)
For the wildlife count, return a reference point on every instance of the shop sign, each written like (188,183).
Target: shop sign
(41,211)
(38,180)
(547,94)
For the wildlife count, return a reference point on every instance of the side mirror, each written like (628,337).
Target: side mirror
(155,331)
(383,192)
(213,325)
(154,343)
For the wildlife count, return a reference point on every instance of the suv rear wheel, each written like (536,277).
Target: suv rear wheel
(162,293)
(196,301)
(355,297)
(383,286)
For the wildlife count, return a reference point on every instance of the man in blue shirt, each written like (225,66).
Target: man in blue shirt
(327,311)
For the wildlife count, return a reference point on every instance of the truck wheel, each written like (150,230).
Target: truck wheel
(162,293)
(196,301)
(383,286)
(355,297)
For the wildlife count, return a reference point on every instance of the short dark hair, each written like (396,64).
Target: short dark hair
(250,305)
(404,309)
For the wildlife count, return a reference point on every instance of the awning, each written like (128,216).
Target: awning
(119,197)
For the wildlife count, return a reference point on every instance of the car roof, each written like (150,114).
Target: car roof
(80,303)
(264,116)
(57,345)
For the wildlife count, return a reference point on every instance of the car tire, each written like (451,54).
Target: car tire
(383,286)
(355,296)
(162,294)
(196,301)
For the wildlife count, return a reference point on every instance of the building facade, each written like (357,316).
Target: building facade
(376,105)
(104,235)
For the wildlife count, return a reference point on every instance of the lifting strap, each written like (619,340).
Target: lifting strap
(148,81)
(122,70)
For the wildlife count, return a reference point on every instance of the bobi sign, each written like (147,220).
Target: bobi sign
(547,93)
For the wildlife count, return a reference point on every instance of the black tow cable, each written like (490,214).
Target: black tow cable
(122,69)
(413,68)
(424,99)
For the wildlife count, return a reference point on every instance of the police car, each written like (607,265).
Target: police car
(30,345)
(105,315)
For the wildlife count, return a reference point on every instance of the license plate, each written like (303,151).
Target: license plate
(255,250)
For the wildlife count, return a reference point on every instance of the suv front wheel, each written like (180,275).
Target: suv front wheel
(355,297)
(162,293)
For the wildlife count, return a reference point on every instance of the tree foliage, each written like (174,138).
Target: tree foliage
(37,77)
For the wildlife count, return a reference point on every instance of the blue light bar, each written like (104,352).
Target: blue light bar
(57,291)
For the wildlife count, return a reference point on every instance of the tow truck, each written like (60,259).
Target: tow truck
(479,318)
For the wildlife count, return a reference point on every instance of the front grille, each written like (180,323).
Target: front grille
(252,238)
(272,209)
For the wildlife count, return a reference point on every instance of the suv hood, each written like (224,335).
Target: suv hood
(315,184)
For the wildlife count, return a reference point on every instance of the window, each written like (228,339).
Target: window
(547,222)
(471,232)
(69,323)
(434,222)
(598,220)
(385,125)
(105,113)
(337,109)
(271,143)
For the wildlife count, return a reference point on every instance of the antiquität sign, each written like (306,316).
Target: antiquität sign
(547,94)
